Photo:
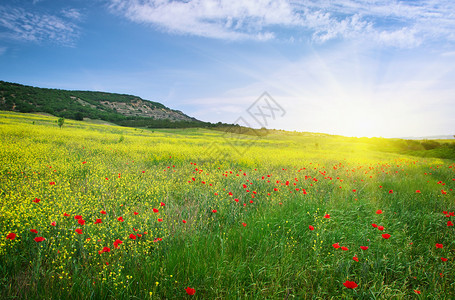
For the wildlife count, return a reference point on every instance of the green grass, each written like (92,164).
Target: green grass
(275,256)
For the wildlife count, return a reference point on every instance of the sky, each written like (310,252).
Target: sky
(373,68)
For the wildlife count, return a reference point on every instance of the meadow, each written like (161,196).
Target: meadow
(95,211)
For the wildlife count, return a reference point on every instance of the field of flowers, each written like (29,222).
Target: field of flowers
(106,212)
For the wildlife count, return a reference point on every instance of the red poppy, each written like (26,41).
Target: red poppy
(106,249)
(160,220)
(54,224)
(440,246)
(190,291)
(327,216)
(374,225)
(311,227)
(391,192)
(78,230)
(449,223)
(39,239)
(36,200)
(139,235)
(34,230)
(386,236)
(350,284)
(132,236)
(52,183)
(98,221)
(117,242)
(381,228)
(81,221)
(344,248)
(84,162)
(135,213)
(155,210)
(336,245)
(443,259)
(418,192)
(184,221)
(236,200)
(103,212)
(364,247)
(11,236)
(77,217)
(214,211)
(244,224)
(162,204)
(355,258)
(379,211)
(417,292)
(66,215)
(120,219)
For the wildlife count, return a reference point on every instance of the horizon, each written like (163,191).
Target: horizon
(348,67)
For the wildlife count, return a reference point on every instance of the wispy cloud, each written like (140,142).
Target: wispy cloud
(20,24)
(399,23)
(2,50)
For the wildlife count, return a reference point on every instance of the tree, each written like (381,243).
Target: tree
(60,122)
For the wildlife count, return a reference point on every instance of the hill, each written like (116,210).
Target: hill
(122,109)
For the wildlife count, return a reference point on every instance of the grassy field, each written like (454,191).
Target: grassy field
(106,212)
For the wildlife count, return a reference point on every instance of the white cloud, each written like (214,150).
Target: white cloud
(398,23)
(29,26)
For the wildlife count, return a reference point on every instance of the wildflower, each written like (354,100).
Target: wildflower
(311,227)
(391,192)
(11,236)
(364,247)
(106,249)
(381,228)
(36,200)
(162,204)
(355,258)
(190,291)
(184,221)
(54,224)
(81,221)
(39,239)
(350,284)
(98,221)
(214,211)
(120,219)
(374,225)
(244,224)
(160,220)
(327,216)
(135,213)
(449,223)
(78,230)
(155,210)
(379,212)
(417,292)
(336,245)
(386,236)
(103,212)
(344,248)
(132,236)
(34,230)
(440,246)
(443,259)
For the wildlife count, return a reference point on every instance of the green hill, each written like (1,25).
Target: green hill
(122,109)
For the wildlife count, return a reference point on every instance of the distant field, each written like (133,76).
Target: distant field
(109,212)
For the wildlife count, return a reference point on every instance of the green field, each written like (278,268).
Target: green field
(141,213)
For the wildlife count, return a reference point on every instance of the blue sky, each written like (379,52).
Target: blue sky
(349,67)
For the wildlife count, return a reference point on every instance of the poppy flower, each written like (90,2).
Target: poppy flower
(381,228)
(364,247)
(77,217)
(190,291)
(374,225)
(139,235)
(98,221)
(443,259)
(417,292)
(379,211)
(160,220)
(184,221)
(78,230)
(162,204)
(440,246)
(214,211)
(355,258)
(327,216)
(449,223)
(135,213)
(106,249)
(39,239)
(336,245)
(418,192)
(84,162)
(391,192)
(344,248)
(120,219)
(81,221)
(386,236)
(34,230)
(36,200)
(155,210)
(244,224)
(117,242)
(311,227)
(11,236)
(132,236)
(350,284)
(66,215)
(103,212)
